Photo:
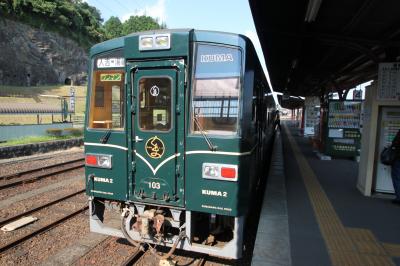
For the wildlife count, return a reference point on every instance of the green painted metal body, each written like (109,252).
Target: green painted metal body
(176,179)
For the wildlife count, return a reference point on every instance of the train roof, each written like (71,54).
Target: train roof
(197,35)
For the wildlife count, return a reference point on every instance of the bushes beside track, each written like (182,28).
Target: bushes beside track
(41,147)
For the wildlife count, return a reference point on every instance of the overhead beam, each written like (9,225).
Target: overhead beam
(334,37)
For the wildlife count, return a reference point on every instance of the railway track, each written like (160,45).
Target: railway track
(134,258)
(36,158)
(202,261)
(139,255)
(36,174)
(28,212)
(40,230)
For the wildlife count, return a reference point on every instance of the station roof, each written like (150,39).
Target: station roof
(312,47)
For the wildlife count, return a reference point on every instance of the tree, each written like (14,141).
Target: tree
(112,28)
(140,23)
(73,18)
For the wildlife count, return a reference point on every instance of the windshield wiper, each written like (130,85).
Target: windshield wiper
(105,137)
(207,139)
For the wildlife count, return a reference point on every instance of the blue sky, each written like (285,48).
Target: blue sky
(221,15)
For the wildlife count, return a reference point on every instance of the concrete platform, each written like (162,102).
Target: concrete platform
(320,218)
(272,245)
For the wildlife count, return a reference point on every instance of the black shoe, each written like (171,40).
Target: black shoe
(396,201)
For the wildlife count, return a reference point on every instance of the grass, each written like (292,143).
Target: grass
(33,139)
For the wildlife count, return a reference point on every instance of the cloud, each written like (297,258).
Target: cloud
(156,11)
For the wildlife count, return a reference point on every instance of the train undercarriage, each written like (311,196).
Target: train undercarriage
(149,226)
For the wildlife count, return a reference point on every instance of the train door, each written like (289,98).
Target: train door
(157,132)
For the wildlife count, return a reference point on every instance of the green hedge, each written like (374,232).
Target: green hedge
(54,132)
(76,132)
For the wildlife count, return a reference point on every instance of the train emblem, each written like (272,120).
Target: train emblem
(155,147)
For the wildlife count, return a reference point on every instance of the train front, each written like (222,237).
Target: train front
(163,144)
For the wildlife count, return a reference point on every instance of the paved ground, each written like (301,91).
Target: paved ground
(330,221)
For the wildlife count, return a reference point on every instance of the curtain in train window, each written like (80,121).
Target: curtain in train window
(216,90)
(107,100)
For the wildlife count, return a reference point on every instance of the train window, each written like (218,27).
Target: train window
(155,103)
(216,90)
(215,105)
(107,100)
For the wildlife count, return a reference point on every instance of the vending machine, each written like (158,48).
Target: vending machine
(389,121)
(343,133)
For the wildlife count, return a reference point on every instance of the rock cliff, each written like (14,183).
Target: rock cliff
(30,56)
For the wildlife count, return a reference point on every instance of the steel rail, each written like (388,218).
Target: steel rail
(40,230)
(35,158)
(133,258)
(41,176)
(202,261)
(38,169)
(25,213)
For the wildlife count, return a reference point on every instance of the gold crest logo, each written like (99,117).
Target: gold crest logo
(155,147)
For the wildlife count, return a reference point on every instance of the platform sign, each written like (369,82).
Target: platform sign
(311,115)
(72,100)
(357,94)
(285,97)
(389,81)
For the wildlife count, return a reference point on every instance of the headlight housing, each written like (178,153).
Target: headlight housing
(98,160)
(161,41)
(227,172)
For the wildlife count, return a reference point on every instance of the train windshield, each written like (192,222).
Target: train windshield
(107,100)
(216,90)
(155,103)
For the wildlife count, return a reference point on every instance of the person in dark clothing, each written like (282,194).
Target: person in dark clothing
(396,168)
(278,120)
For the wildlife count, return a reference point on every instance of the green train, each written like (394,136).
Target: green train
(178,127)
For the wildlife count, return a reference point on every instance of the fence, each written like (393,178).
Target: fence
(19,131)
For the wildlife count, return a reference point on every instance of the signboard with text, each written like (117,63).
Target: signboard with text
(389,81)
(72,100)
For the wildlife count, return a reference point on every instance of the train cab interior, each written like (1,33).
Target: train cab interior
(107,100)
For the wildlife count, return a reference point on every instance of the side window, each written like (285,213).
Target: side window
(107,100)
(216,90)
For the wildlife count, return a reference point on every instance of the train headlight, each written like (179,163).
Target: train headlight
(228,172)
(210,171)
(145,43)
(155,42)
(98,160)
(162,41)
(105,161)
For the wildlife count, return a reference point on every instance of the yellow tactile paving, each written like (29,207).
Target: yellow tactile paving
(345,258)
(339,243)
(370,247)
(346,246)
(392,249)
(371,260)
(359,234)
